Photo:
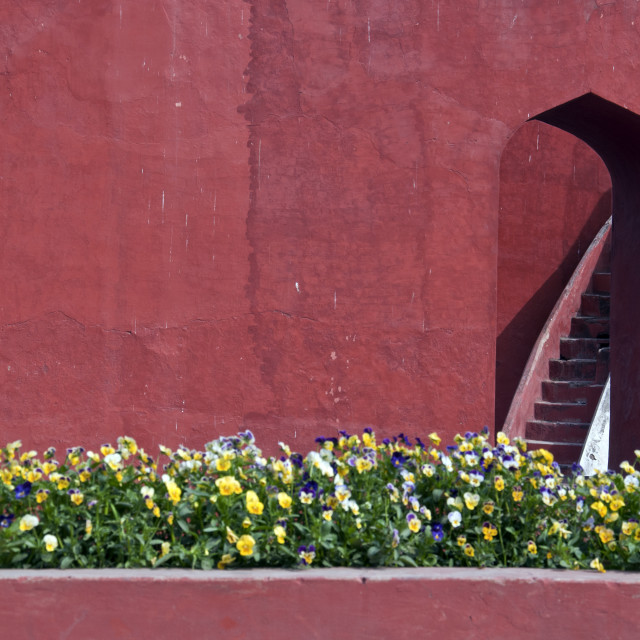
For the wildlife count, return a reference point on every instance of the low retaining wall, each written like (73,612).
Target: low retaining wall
(319,603)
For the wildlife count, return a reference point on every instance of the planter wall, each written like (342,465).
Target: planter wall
(320,603)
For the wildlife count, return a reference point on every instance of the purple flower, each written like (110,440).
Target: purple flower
(437,532)
(6,519)
(23,490)
(397,459)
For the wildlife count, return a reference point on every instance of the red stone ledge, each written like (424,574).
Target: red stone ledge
(319,603)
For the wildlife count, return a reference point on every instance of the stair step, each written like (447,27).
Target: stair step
(596,305)
(552,431)
(589,327)
(581,348)
(564,453)
(601,282)
(571,391)
(572,369)
(562,412)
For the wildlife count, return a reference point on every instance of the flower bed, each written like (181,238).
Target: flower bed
(354,502)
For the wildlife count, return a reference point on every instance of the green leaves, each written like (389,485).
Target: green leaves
(354,502)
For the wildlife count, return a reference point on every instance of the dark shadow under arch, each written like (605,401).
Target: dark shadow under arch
(614,134)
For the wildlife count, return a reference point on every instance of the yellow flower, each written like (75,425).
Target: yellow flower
(33,476)
(327,514)
(165,547)
(517,495)
(253,503)
(629,527)
(232,538)
(489,531)
(174,491)
(471,500)
(596,564)
(498,483)
(170,518)
(84,475)
(368,439)
(50,542)
(88,527)
(363,464)
(532,548)
(41,495)
(228,485)
(469,550)
(106,450)
(414,524)
(222,464)
(501,438)
(606,535)
(616,503)
(435,438)
(280,532)
(225,560)
(156,511)
(63,483)
(600,507)
(246,523)
(77,498)
(461,541)
(245,545)
(488,507)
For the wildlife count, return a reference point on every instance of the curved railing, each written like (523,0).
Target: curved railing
(547,345)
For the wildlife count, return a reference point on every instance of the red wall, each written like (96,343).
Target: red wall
(527,604)
(268,214)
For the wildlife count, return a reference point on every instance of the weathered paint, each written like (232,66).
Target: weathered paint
(320,603)
(275,215)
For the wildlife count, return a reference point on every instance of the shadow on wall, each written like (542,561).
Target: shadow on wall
(555,194)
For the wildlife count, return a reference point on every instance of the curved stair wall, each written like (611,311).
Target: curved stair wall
(547,346)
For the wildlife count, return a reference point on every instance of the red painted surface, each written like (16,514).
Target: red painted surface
(267,214)
(335,603)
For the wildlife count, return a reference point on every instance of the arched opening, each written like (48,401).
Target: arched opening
(614,134)
(555,195)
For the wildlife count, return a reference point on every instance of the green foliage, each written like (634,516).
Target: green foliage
(353,502)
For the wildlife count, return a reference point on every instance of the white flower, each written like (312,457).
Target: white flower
(114,460)
(147,492)
(28,522)
(50,542)
(455,518)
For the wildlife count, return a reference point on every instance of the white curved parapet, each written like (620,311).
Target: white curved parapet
(595,453)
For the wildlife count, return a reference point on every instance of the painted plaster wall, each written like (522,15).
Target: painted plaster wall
(275,215)
(320,603)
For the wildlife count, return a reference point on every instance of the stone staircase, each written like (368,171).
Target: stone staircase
(576,379)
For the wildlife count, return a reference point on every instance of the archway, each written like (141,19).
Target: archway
(614,133)
(555,195)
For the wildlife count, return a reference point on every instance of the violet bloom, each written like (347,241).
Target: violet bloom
(23,490)
(437,532)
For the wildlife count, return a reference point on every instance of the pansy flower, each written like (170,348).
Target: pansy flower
(395,539)
(22,490)
(437,532)
(489,531)
(413,522)
(6,519)
(307,554)
(455,518)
